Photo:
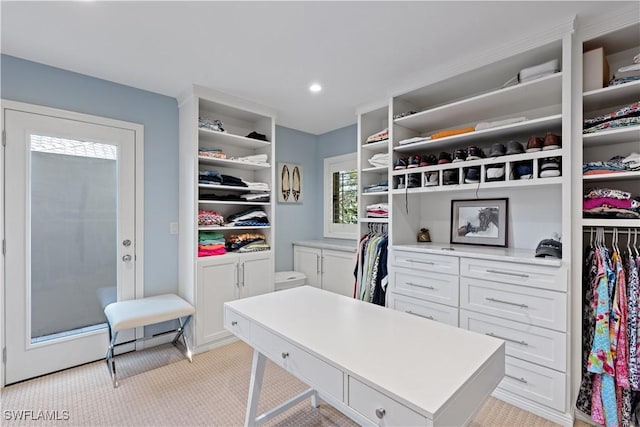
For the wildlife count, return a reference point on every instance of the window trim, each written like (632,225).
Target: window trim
(331,165)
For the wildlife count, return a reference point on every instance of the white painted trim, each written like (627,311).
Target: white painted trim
(347,231)
(138,130)
(564,419)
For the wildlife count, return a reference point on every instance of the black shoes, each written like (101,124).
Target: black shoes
(413,162)
(474,153)
(460,155)
(428,160)
(400,164)
(514,147)
(444,157)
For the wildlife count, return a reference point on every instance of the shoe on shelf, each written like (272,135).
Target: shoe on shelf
(431,179)
(497,150)
(495,172)
(514,147)
(444,157)
(552,142)
(550,167)
(460,155)
(414,180)
(400,164)
(400,184)
(428,160)
(535,143)
(474,153)
(450,177)
(524,170)
(414,161)
(472,175)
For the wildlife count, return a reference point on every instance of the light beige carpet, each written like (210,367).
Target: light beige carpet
(159,388)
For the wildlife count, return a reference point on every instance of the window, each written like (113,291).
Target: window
(341,197)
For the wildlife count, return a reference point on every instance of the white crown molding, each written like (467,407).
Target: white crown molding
(618,18)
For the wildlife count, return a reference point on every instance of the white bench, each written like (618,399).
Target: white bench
(143,312)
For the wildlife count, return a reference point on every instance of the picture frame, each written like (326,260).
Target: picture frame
(480,222)
(290,183)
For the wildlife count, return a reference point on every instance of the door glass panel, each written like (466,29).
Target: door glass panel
(73,235)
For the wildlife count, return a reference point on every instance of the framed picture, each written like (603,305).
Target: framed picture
(289,176)
(479,222)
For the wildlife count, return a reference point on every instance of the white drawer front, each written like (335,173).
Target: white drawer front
(534,382)
(538,345)
(381,409)
(423,261)
(238,324)
(305,366)
(436,287)
(528,305)
(553,278)
(426,309)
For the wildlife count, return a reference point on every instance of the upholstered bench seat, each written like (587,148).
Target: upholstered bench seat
(143,312)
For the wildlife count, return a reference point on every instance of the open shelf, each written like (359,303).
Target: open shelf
(616,176)
(611,96)
(376,193)
(207,135)
(482,185)
(376,220)
(227,202)
(375,169)
(236,164)
(232,188)
(223,228)
(614,136)
(379,146)
(610,222)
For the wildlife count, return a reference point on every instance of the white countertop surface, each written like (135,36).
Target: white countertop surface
(421,362)
(346,246)
(526,256)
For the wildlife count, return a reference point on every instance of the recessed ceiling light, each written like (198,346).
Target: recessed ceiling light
(315,87)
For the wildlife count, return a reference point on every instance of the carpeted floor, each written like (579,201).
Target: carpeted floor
(159,388)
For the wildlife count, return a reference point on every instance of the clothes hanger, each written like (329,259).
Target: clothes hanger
(591,238)
(635,243)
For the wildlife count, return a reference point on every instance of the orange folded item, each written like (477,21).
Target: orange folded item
(451,132)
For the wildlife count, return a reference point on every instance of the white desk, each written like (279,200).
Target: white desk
(376,365)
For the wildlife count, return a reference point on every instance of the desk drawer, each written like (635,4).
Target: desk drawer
(538,345)
(552,278)
(423,261)
(426,309)
(239,325)
(381,409)
(522,304)
(297,361)
(436,287)
(534,382)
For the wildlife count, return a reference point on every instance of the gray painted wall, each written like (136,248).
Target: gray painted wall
(40,84)
(35,83)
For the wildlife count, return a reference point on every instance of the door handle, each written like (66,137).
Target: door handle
(126,258)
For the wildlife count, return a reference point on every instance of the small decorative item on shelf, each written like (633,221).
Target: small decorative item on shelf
(479,222)
(423,235)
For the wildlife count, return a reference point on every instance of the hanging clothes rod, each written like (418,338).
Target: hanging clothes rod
(621,231)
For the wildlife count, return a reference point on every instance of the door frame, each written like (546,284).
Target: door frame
(138,130)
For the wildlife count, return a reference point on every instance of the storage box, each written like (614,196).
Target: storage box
(595,74)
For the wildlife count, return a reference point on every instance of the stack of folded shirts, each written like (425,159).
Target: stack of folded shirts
(249,217)
(378,210)
(209,177)
(616,164)
(247,242)
(610,203)
(256,158)
(379,159)
(256,186)
(255,197)
(379,136)
(628,115)
(206,217)
(628,73)
(232,181)
(374,188)
(211,243)
(216,153)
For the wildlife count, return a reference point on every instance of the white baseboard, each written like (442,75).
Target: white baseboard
(154,341)
(564,419)
(219,343)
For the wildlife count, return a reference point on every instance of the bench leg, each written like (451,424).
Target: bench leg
(111,363)
(182,335)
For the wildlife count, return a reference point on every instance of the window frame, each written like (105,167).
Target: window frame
(332,165)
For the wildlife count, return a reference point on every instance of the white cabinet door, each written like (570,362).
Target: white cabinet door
(217,283)
(308,261)
(337,271)
(256,274)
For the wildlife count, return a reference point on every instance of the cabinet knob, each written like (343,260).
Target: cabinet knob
(234,323)
(285,355)
(380,412)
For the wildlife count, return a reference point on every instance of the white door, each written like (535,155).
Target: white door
(308,261)
(70,238)
(337,272)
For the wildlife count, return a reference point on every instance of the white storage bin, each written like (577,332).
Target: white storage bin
(289,279)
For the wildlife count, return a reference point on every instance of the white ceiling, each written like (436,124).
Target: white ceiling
(270,52)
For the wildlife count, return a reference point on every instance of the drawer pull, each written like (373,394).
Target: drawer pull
(234,323)
(522,380)
(507,302)
(420,315)
(506,339)
(285,355)
(426,287)
(508,273)
(380,413)
(422,262)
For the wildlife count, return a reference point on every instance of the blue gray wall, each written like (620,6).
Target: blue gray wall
(40,84)
(35,83)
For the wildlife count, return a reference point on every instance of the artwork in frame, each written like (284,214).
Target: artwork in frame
(480,222)
(290,183)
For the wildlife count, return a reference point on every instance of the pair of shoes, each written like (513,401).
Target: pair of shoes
(291,184)
(523,170)
(550,167)
(497,150)
(460,155)
(431,179)
(444,157)
(474,153)
(550,142)
(514,147)
(495,172)
(450,177)
(413,161)
(428,160)
(413,180)
(400,164)
(472,175)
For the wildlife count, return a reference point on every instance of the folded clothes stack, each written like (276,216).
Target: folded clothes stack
(211,243)
(256,186)
(616,164)
(610,203)
(255,217)
(209,177)
(256,158)
(627,73)
(208,217)
(215,125)
(628,115)
(383,135)
(379,159)
(215,153)
(247,242)
(378,210)
(375,188)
